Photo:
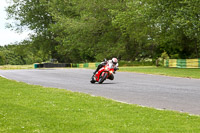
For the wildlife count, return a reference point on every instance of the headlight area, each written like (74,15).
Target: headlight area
(106,68)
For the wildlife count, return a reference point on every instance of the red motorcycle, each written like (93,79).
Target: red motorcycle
(104,73)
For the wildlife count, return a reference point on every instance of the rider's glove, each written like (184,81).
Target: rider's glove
(116,68)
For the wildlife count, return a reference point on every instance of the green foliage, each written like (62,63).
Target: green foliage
(175,56)
(21,54)
(8,56)
(2,56)
(164,55)
(90,30)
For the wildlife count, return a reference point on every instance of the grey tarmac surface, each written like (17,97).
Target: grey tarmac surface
(161,92)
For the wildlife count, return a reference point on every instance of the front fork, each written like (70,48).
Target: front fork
(98,74)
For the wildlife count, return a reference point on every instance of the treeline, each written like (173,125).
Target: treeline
(21,54)
(90,30)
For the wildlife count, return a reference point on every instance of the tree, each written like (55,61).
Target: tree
(90,30)
(34,14)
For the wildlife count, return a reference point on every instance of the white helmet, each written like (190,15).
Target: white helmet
(114,61)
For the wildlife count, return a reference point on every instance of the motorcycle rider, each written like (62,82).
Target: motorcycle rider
(112,64)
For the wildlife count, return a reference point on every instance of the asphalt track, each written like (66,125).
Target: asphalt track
(161,92)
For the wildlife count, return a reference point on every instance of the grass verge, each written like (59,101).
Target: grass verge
(29,108)
(176,72)
(10,67)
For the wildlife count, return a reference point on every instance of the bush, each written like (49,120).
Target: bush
(164,55)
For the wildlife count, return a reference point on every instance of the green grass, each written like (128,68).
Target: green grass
(9,67)
(28,108)
(176,72)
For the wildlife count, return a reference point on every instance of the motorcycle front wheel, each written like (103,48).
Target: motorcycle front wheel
(92,80)
(102,78)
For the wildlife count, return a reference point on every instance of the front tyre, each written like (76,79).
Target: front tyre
(92,80)
(102,78)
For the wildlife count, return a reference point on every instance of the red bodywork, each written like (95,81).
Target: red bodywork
(103,70)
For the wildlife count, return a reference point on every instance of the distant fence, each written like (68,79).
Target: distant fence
(78,65)
(182,63)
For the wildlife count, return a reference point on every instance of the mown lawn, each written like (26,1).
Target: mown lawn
(176,72)
(29,108)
